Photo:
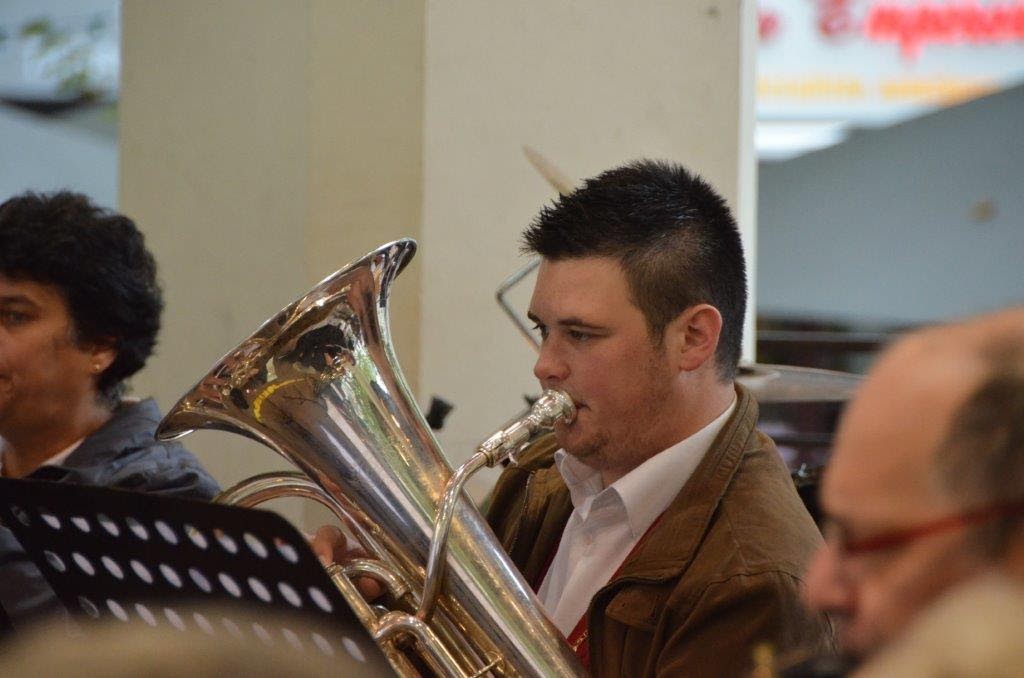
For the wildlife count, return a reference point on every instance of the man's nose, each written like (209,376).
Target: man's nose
(550,369)
(826,588)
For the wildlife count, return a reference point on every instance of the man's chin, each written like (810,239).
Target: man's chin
(854,649)
(572,446)
(576,443)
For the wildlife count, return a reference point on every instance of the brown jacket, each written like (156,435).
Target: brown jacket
(719,573)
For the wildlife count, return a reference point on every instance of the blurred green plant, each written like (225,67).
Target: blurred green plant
(64,52)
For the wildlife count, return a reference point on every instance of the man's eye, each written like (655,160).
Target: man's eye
(831,533)
(13,317)
(541,329)
(576,335)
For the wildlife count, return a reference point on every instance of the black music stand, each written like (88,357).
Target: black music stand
(160,561)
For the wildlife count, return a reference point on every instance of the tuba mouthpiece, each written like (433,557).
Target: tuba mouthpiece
(551,408)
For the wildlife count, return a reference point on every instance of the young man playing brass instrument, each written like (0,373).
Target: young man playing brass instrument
(663,535)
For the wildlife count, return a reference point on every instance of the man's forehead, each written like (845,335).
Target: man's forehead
(873,478)
(582,268)
(885,446)
(26,291)
(580,282)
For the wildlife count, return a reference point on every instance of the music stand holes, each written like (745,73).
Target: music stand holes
(145,614)
(137,528)
(322,645)
(203,623)
(320,599)
(232,628)
(83,563)
(55,561)
(88,607)
(200,580)
(51,520)
(141,571)
(292,638)
(170,575)
(116,609)
(173,617)
(229,584)
(196,537)
(166,532)
(112,567)
(226,541)
(262,634)
(22,515)
(255,545)
(109,525)
(260,590)
(81,523)
(288,552)
(353,649)
(290,594)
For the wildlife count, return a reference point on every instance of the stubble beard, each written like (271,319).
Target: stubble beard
(635,444)
(6,396)
(600,454)
(591,452)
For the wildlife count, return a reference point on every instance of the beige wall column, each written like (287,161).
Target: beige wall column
(265,143)
(590,85)
(262,146)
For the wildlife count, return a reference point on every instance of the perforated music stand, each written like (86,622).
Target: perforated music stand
(161,561)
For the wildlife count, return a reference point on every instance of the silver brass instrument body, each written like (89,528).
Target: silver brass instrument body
(319,384)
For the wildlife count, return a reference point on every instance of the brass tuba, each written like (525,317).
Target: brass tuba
(319,383)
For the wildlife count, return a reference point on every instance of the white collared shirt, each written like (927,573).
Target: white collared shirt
(606,523)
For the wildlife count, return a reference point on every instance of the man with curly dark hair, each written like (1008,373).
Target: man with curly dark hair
(79,314)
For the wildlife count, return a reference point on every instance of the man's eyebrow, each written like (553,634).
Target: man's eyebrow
(848,531)
(571,321)
(832,521)
(12,299)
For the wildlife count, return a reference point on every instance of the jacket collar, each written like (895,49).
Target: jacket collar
(130,426)
(672,542)
(642,494)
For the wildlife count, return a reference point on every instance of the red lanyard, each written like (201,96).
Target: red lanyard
(578,639)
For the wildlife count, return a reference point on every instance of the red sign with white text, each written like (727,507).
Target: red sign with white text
(875,62)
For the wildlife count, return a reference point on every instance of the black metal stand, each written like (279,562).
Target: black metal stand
(147,559)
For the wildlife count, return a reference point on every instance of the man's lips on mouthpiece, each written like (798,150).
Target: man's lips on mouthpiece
(579,406)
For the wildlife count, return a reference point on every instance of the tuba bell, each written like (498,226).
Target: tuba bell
(319,384)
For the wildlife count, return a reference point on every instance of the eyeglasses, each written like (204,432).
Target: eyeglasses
(888,540)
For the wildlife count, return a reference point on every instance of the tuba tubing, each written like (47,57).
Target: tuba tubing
(319,384)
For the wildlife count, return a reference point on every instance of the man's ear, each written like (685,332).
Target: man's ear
(102,355)
(692,337)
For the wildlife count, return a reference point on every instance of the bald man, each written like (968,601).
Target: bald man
(924,494)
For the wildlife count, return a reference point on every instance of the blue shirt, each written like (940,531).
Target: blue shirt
(124,454)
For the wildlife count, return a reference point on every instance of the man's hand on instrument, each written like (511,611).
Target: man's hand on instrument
(331,545)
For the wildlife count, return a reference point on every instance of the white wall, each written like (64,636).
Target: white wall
(879,229)
(590,85)
(265,144)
